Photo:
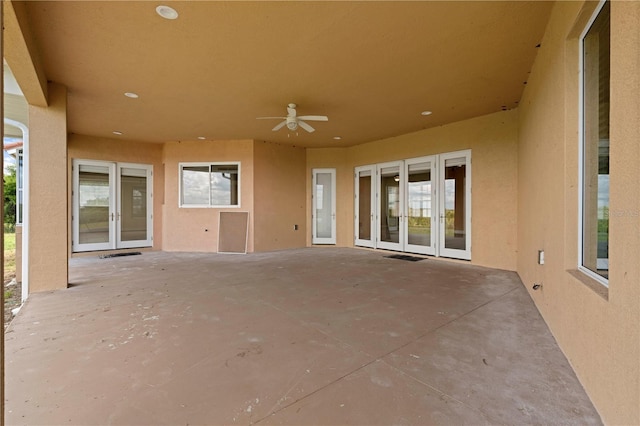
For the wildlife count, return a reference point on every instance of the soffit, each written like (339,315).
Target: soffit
(372,67)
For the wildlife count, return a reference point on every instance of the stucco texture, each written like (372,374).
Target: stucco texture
(597,328)
(492,140)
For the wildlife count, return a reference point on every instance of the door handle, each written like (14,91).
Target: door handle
(112,217)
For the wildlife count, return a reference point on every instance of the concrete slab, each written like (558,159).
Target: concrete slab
(311,336)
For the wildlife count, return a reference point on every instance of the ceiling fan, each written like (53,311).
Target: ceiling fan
(292,120)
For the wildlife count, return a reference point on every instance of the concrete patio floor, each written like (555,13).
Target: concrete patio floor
(310,336)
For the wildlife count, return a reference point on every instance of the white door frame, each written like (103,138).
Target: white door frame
(371,242)
(442,249)
(114,223)
(437,246)
(431,248)
(389,245)
(319,202)
(148,170)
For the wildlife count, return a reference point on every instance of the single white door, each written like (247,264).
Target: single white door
(134,221)
(365,206)
(420,222)
(390,209)
(112,205)
(454,226)
(324,206)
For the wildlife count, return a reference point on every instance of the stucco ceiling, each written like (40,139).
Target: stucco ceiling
(371,67)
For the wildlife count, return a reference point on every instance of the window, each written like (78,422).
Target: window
(594,149)
(209,184)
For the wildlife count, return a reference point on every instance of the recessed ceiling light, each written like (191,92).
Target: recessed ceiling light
(166,12)
(115,132)
(337,138)
(426,113)
(131,95)
(201,138)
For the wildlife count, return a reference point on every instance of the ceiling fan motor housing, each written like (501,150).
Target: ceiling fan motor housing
(292,123)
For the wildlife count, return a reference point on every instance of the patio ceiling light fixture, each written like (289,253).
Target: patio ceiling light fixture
(167,12)
(131,95)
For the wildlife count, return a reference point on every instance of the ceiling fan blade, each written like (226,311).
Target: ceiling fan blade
(269,118)
(279,126)
(305,126)
(314,117)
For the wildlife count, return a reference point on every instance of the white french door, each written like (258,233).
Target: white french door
(420,216)
(455,205)
(112,205)
(390,207)
(323,197)
(420,205)
(365,196)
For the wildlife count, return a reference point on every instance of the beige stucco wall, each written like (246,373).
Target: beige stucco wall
(279,193)
(598,330)
(333,158)
(119,150)
(493,143)
(48,255)
(196,229)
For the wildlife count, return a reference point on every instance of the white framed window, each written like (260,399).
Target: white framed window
(210,184)
(594,146)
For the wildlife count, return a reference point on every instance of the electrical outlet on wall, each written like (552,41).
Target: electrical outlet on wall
(540,257)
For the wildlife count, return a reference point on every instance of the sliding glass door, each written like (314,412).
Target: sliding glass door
(112,205)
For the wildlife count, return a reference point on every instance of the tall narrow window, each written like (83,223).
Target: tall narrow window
(595,146)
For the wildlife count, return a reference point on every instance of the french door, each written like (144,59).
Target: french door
(323,197)
(365,195)
(112,205)
(420,205)
(390,207)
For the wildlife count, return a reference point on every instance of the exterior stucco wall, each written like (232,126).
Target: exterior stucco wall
(493,143)
(118,150)
(598,330)
(196,229)
(48,255)
(279,194)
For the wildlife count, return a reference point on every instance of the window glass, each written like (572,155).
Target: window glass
(595,145)
(210,185)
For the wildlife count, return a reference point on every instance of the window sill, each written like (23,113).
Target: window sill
(596,286)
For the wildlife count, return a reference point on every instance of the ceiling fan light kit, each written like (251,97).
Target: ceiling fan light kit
(293,121)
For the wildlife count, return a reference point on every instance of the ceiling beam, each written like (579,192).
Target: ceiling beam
(21,54)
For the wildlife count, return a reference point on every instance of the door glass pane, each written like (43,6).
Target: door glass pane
(364,205)
(419,204)
(93,196)
(454,204)
(390,204)
(323,205)
(133,210)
